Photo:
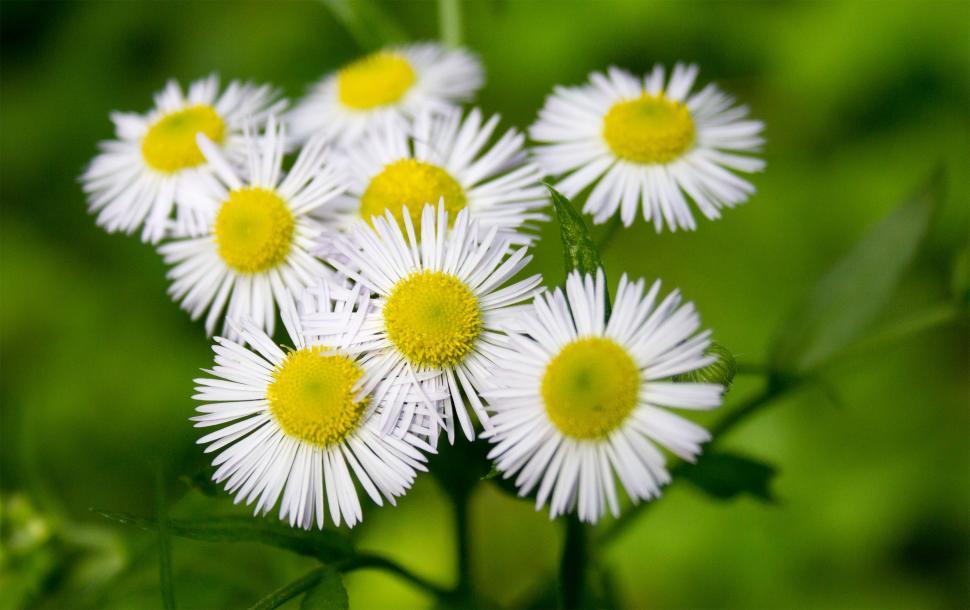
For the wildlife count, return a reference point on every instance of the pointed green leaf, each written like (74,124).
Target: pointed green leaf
(328,594)
(726,476)
(367,23)
(325,545)
(578,248)
(852,294)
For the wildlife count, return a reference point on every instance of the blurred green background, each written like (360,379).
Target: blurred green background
(862,100)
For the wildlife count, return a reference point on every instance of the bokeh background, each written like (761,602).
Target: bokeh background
(862,100)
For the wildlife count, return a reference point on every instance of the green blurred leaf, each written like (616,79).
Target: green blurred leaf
(578,249)
(726,476)
(328,594)
(366,22)
(854,291)
(324,545)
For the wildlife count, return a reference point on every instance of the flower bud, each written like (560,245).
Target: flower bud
(721,371)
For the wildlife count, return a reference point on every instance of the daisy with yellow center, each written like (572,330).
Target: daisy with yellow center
(446,157)
(297,425)
(254,249)
(584,395)
(439,303)
(390,85)
(138,180)
(648,144)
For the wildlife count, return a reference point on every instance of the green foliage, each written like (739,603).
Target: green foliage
(726,476)
(287,592)
(847,299)
(328,594)
(578,249)
(324,545)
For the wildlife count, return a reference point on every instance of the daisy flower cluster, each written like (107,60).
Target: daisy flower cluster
(387,226)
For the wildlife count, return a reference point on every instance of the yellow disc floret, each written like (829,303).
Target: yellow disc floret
(375,80)
(254,230)
(649,129)
(312,396)
(433,319)
(170,146)
(411,183)
(590,387)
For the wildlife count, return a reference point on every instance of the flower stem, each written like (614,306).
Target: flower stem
(287,592)
(366,560)
(449,22)
(573,564)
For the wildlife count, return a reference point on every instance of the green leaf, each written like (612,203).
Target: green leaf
(726,476)
(367,23)
(578,249)
(328,594)
(324,545)
(852,293)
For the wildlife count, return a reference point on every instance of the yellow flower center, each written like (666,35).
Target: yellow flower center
(590,387)
(312,396)
(375,80)
(254,230)
(411,183)
(649,129)
(433,319)
(169,145)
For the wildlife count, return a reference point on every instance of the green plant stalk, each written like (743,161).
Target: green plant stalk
(573,564)
(287,592)
(449,22)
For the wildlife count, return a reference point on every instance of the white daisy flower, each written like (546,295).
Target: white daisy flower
(300,425)
(444,157)
(254,251)
(582,395)
(137,179)
(393,84)
(643,143)
(439,303)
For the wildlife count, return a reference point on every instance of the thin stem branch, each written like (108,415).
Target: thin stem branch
(367,560)
(287,592)
(449,22)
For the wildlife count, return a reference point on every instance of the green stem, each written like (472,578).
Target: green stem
(287,592)
(449,22)
(366,560)
(573,564)
(164,544)
(464,546)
